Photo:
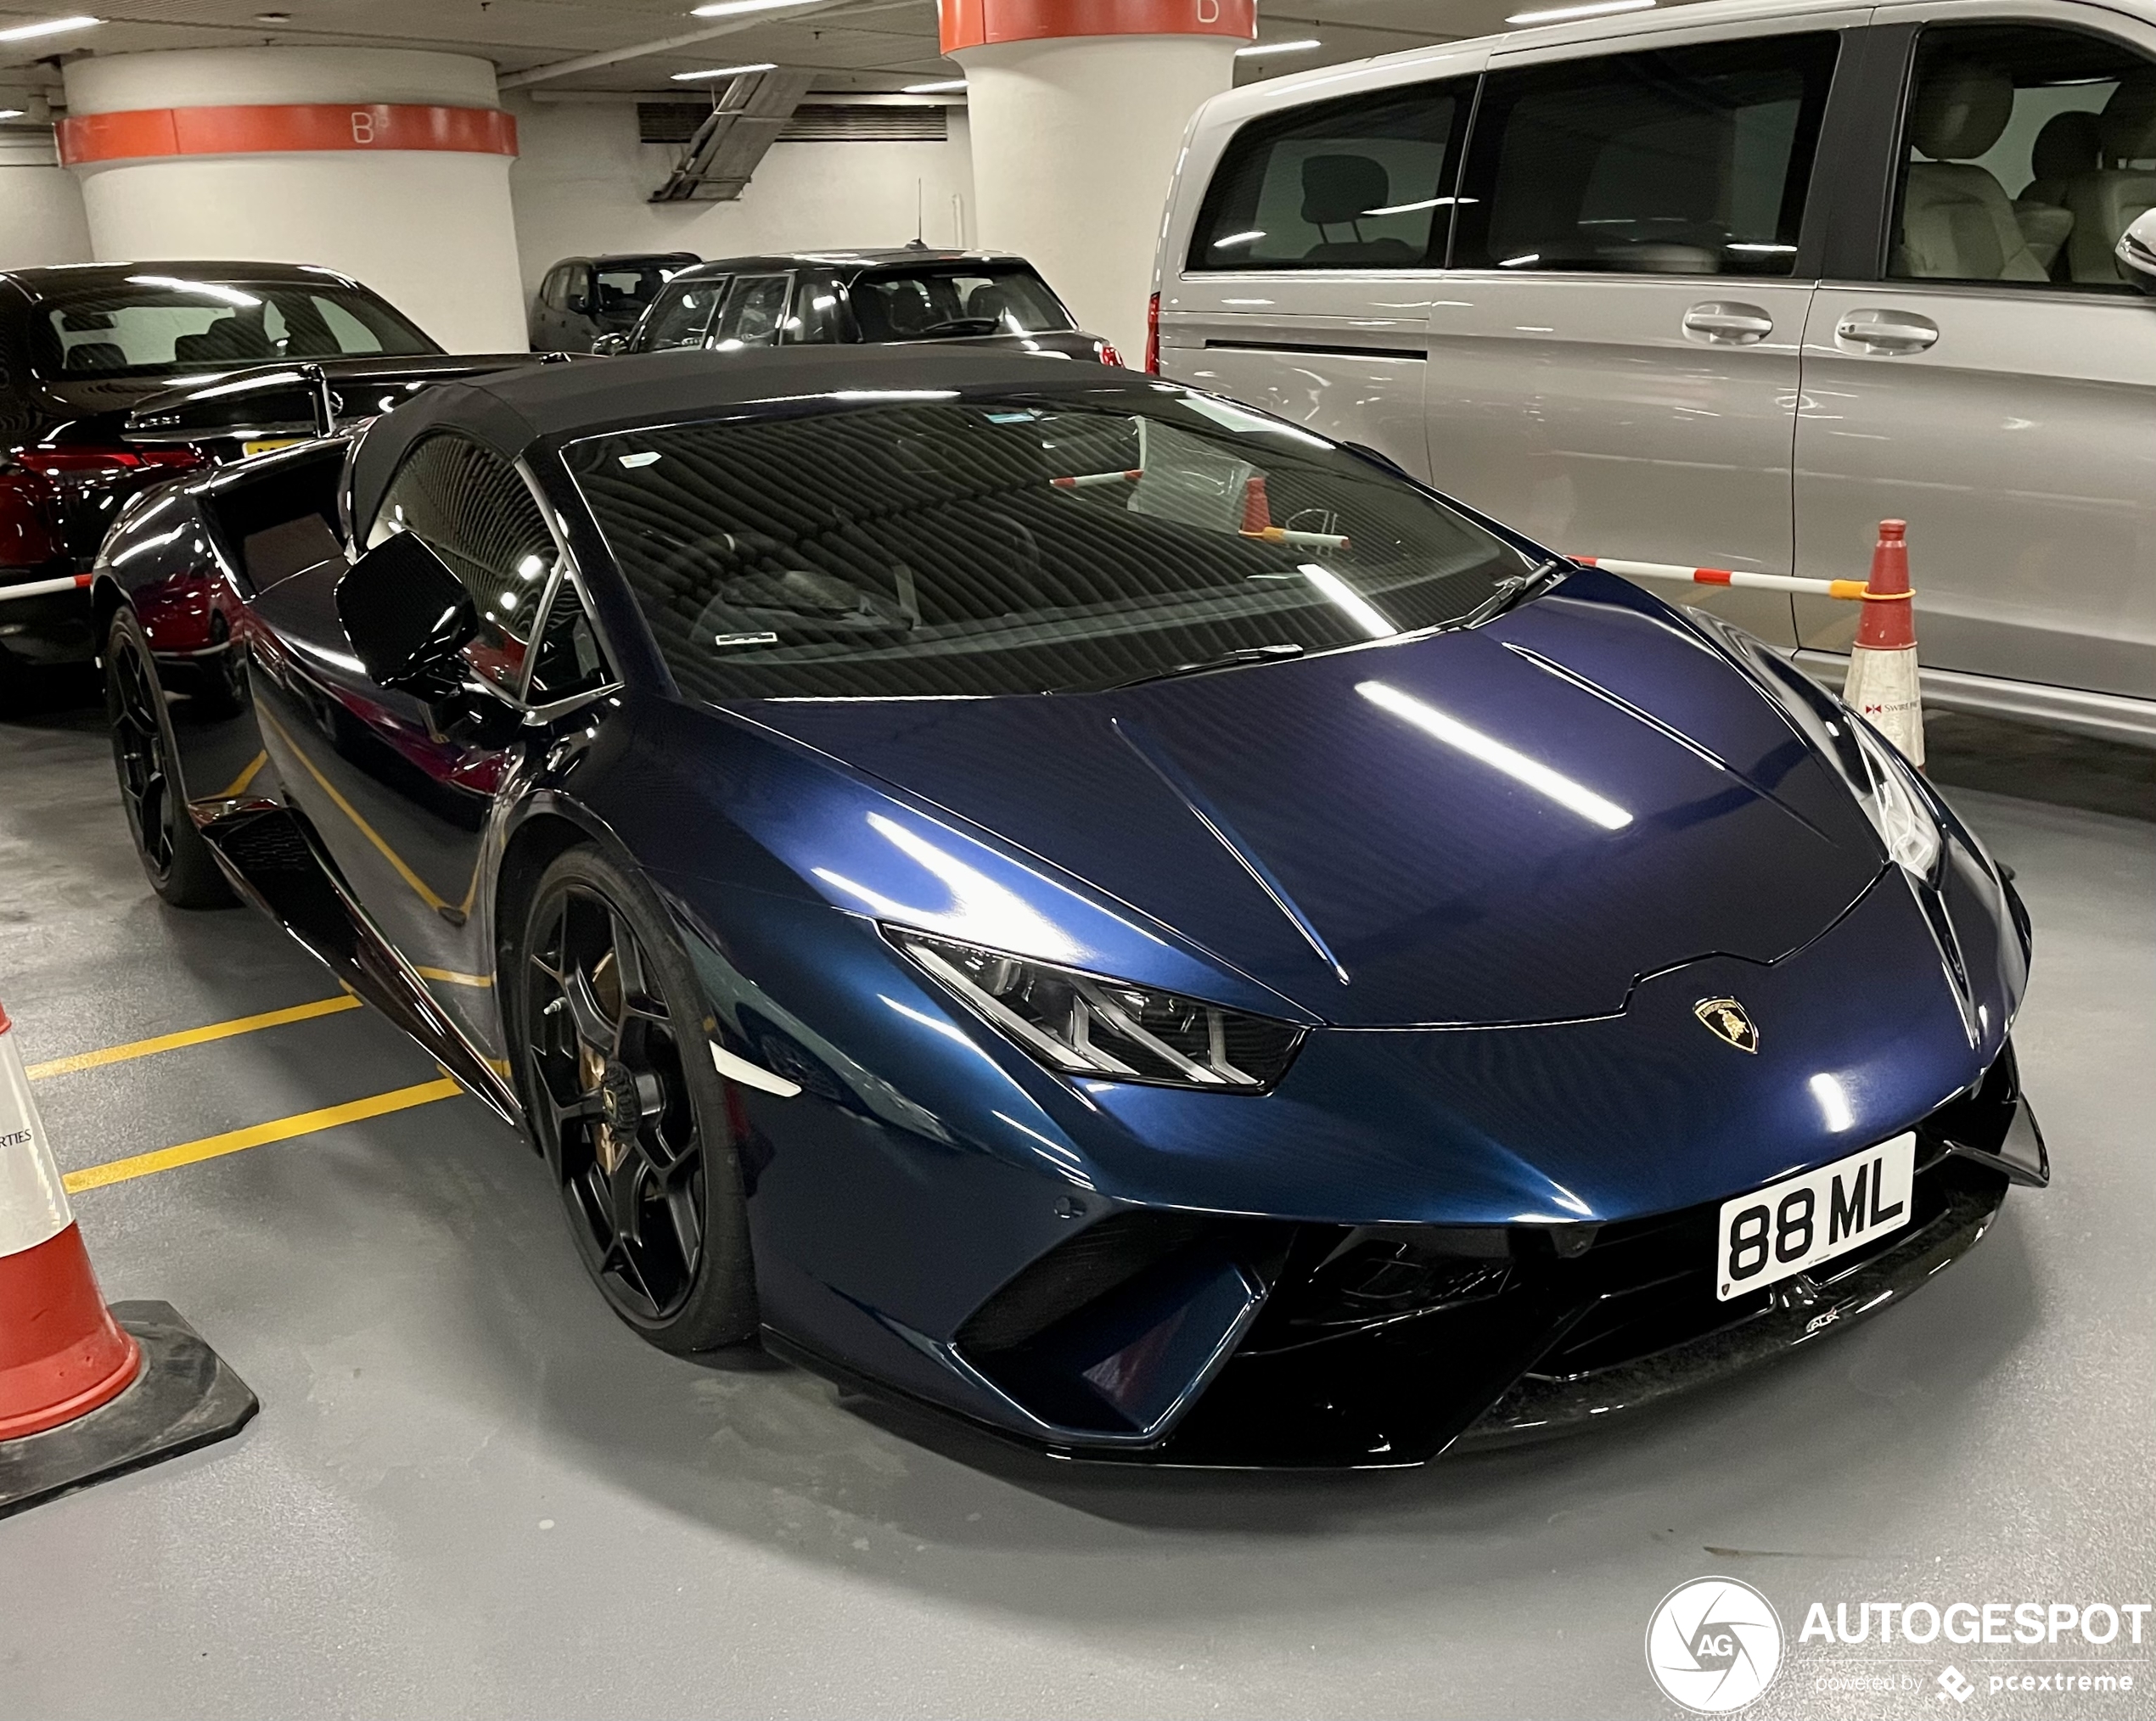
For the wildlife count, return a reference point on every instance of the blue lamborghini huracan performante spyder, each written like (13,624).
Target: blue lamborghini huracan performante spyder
(1057,897)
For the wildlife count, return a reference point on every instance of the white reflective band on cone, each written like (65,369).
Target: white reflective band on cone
(33,1205)
(1882,689)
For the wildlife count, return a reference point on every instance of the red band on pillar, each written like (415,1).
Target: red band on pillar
(976,23)
(147,132)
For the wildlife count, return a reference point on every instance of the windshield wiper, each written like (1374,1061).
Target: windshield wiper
(1225,660)
(1509,593)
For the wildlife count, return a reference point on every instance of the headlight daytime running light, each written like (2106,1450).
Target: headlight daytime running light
(1896,807)
(1081,1024)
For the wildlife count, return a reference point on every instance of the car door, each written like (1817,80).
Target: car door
(1614,356)
(1306,287)
(680,316)
(401,793)
(546,310)
(753,313)
(1981,369)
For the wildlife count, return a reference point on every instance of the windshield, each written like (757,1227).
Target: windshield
(931,545)
(152,325)
(626,289)
(935,304)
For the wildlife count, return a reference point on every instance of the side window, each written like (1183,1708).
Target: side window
(1366,182)
(2030,150)
(567,660)
(551,291)
(682,315)
(818,316)
(470,507)
(580,288)
(1671,161)
(754,311)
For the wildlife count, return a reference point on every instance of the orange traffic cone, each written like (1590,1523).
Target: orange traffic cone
(1882,683)
(83,1395)
(61,1354)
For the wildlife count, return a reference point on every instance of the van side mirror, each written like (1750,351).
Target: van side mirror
(407,616)
(2136,251)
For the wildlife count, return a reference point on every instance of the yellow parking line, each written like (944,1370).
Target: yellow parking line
(237,786)
(257,1135)
(191,1036)
(450,976)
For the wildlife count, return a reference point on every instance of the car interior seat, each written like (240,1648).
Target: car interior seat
(2067,148)
(97,355)
(228,338)
(2106,201)
(1339,191)
(987,303)
(1957,223)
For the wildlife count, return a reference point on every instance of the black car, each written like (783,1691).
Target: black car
(586,299)
(81,346)
(910,294)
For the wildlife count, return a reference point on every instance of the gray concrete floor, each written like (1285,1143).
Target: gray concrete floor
(471,1492)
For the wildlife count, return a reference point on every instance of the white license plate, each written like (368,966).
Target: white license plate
(1787,1226)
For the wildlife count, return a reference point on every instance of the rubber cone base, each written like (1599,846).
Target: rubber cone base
(185,1396)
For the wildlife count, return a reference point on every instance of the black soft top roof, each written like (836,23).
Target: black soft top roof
(515,410)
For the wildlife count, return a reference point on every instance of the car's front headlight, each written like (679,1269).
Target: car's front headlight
(1895,807)
(1088,1025)
(1883,783)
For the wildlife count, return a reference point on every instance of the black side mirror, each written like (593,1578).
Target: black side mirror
(408,617)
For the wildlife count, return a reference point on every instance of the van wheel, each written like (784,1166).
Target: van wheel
(174,854)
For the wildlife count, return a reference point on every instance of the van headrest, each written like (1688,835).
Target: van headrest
(2128,127)
(2069,144)
(1961,112)
(1340,188)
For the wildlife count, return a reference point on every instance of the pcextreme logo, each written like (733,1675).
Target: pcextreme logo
(1714,1644)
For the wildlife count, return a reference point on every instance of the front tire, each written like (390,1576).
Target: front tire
(633,1120)
(175,856)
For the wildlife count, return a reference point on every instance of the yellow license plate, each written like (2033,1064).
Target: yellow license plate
(264,444)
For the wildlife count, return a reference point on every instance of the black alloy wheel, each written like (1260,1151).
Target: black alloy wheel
(633,1119)
(145,754)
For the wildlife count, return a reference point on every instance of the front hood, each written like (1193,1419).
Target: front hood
(1513,824)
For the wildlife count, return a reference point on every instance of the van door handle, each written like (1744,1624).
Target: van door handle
(1735,325)
(1888,331)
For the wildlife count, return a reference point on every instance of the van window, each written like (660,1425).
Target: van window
(1365,182)
(1673,161)
(2028,151)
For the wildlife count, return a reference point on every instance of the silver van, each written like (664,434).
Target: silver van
(1724,285)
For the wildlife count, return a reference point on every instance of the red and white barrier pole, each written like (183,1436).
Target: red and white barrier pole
(1726,576)
(86,1391)
(44,588)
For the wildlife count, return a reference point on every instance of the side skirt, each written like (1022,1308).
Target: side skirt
(272,859)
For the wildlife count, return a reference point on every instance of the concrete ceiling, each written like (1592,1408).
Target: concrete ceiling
(850,44)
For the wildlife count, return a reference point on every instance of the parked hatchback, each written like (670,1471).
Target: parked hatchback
(909,293)
(1724,285)
(583,300)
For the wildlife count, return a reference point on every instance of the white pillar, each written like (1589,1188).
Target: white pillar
(1075,142)
(430,229)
